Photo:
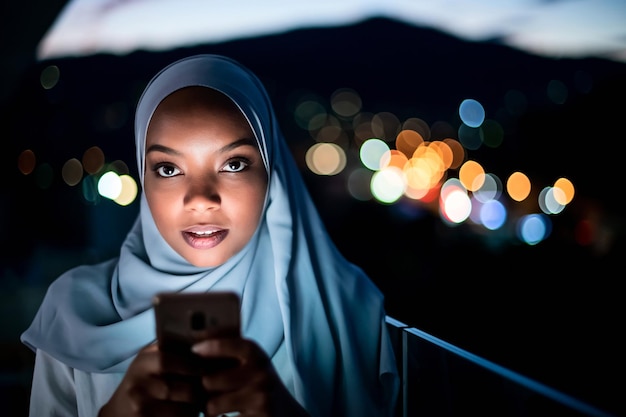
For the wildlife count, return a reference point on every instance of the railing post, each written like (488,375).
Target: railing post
(397,336)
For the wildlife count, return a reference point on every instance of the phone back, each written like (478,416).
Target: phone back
(183,319)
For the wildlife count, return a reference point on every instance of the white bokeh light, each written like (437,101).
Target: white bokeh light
(110,185)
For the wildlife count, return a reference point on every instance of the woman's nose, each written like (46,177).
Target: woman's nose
(202,195)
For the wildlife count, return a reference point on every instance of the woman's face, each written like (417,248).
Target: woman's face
(205,181)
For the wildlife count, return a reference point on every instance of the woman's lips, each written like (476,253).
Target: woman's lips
(204,240)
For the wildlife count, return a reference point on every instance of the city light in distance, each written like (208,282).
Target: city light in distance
(397,160)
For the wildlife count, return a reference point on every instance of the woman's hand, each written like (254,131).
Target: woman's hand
(157,384)
(253,388)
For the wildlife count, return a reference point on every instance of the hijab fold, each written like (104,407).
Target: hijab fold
(294,284)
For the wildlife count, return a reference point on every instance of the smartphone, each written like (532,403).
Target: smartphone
(183,319)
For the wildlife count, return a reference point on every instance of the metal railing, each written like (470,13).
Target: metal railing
(441,379)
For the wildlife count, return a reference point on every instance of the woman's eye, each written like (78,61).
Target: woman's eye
(235,165)
(167,171)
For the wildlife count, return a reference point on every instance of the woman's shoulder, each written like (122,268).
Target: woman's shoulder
(83,279)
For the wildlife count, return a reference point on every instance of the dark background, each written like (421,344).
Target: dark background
(553,312)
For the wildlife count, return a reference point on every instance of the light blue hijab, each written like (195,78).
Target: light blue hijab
(295,286)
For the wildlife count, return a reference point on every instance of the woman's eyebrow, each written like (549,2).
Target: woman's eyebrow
(229,147)
(161,148)
(238,143)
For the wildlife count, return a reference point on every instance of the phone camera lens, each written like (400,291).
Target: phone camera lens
(197,321)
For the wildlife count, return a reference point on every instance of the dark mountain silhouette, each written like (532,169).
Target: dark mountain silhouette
(550,312)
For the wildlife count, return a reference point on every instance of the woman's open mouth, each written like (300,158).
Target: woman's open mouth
(204,239)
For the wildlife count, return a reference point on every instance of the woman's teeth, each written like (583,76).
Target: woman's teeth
(208,233)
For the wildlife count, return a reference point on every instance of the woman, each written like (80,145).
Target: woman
(223,207)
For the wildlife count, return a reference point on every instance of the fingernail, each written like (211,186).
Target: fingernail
(198,347)
(202,347)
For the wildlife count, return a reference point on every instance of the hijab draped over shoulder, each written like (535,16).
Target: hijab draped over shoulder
(295,286)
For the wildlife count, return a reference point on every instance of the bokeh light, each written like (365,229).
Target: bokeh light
(49,77)
(362,127)
(326,159)
(89,188)
(309,108)
(548,203)
(386,126)
(371,152)
(388,185)
(129,190)
(408,141)
(72,172)
(458,152)
(345,102)
(493,214)
(472,175)
(393,158)
(518,186)
(490,189)
(533,228)
(471,112)
(359,184)
(119,166)
(418,125)
(566,191)
(93,160)
(26,161)
(110,185)
(470,137)
(455,205)
(423,171)
(557,91)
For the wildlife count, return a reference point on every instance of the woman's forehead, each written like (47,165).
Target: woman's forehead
(193,96)
(198,101)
